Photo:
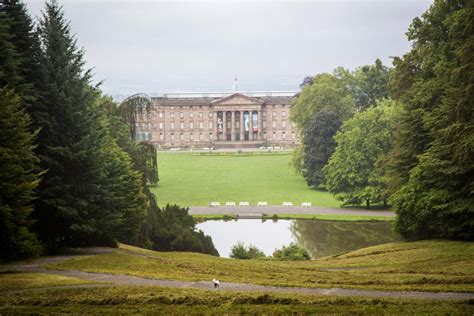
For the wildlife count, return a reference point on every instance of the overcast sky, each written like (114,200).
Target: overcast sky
(154,46)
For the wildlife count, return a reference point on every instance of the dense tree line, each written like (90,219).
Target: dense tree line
(71,173)
(407,133)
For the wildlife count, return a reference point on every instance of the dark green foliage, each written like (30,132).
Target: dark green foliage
(354,173)
(435,144)
(318,144)
(367,84)
(9,64)
(239,251)
(19,177)
(90,195)
(175,230)
(291,252)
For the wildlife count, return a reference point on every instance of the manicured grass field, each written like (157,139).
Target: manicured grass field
(321,217)
(191,179)
(421,266)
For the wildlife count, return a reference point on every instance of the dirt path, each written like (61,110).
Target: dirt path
(117,279)
(256,210)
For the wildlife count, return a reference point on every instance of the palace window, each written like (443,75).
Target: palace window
(283,114)
(150,136)
(293,136)
(172,125)
(161,125)
(273,113)
(210,136)
(274,135)
(211,124)
(181,114)
(210,114)
(283,135)
(160,114)
(264,124)
(200,136)
(172,137)
(274,124)
(283,124)
(181,125)
(264,114)
(200,114)
(191,137)
(191,125)
(161,136)
(172,114)
(181,137)
(201,125)
(191,114)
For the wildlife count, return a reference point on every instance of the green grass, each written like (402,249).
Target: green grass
(421,266)
(196,179)
(158,300)
(322,217)
(10,280)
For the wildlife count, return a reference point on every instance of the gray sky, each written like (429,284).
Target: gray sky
(154,46)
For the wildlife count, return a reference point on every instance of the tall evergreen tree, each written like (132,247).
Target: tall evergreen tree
(19,173)
(435,196)
(19,177)
(83,197)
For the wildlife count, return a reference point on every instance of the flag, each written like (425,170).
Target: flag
(234,87)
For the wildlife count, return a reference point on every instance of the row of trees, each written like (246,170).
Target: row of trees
(70,171)
(403,135)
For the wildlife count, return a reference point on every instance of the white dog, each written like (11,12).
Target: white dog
(216,283)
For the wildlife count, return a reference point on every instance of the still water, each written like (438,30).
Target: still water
(320,238)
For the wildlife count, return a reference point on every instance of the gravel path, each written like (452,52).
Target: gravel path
(258,210)
(118,279)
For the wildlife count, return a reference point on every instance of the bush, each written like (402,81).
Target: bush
(239,251)
(291,252)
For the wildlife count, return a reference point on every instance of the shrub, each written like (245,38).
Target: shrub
(239,251)
(291,252)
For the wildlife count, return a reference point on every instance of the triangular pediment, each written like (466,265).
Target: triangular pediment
(237,98)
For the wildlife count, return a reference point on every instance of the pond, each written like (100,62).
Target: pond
(320,238)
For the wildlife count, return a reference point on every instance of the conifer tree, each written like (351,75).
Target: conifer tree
(19,173)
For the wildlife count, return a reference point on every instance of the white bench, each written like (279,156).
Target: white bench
(262,203)
(214,204)
(244,204)
(175,149)
(306,204)
(287,204)
(229,203)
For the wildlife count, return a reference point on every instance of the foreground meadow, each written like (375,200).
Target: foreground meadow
(159,300)
(193,179)
(417,266)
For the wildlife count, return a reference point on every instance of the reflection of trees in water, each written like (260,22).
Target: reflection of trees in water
(324,238)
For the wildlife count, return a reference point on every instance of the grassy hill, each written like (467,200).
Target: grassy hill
(420,266)
(423,266)
(193,179)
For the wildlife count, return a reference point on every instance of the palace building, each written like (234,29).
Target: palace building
(220,120)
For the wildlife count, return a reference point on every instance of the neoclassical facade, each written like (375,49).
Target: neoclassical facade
(219,120)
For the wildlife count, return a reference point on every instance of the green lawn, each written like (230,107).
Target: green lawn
(191,179)
(321,217)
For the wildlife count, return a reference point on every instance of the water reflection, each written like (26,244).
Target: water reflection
(320,238)
(325,238)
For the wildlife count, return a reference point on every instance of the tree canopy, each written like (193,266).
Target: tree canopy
(353,173)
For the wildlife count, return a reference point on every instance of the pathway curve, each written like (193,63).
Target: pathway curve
(258,210)
(119,279)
